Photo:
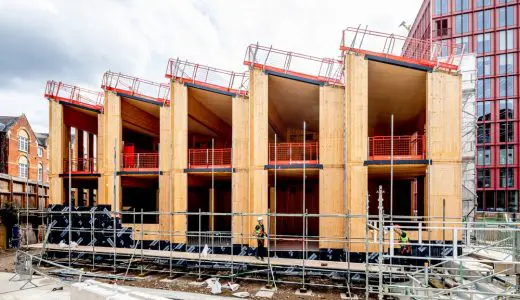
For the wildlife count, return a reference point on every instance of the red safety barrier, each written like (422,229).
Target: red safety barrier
(140,161)
(293,153)
(203,158)
(60,91)
(405,147)
(133,86)
(80,166)
(209,77)
(401,48)
(327,70)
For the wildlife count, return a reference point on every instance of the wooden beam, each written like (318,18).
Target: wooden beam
(75,118)
(276,121)
(137,119)
(206,117)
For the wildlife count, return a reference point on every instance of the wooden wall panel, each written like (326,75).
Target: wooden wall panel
(258,110)
(58,144)
(179,107)
(356,93)
(165,166)
(331,202)
(331,126)
(240,178)
(113,140)
(100,154)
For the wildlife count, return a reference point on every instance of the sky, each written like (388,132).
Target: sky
(77,41)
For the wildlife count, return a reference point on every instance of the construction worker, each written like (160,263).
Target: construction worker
(406,249)
(260,234)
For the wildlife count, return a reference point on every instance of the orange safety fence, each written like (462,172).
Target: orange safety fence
(207,158)
(133,86)
(140,161)
(60,91)
(293,153)
(406,49)
(80,165)
(327,70)
(405,147)
(209,77)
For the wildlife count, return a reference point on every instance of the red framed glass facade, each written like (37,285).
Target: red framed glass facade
(489,28)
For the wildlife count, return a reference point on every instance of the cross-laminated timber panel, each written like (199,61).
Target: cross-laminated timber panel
(240,177)
(179,112)
(111,155)
(258,139)
(444,101)
(165,166)
(58,144)
(356,96)
(331,177)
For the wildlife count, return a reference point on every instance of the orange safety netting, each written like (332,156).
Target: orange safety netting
(207,158)
(293,153)
(405,147)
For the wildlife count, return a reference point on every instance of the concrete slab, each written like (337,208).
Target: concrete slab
(344,296)
(265,293)
(308,293)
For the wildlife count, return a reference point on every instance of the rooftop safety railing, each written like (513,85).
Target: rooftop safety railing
(60,91)
(406,49)
(140,162)
(207,158)
(406,147)
(209,77)
(326,70)
(293,153)
(133,86)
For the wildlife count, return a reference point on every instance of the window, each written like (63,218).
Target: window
(40,172)
(512,201)
(483,43)
(506,39)
(442,27)
(484,88)
(23,141)
(462,23)
(462,41)
(484,111)
(505,63)
(506,131)
(40,151)
(506,109)
(484,66)
(444,48)
(501,201)
(484,156)
(483,178)
(461,5)
(483,20)
(507,155)
(23,167)
(506,177)
(506,86)
(484,133)
(441,7)
(505,16)
(479,3)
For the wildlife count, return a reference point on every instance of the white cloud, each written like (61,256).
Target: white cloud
(76,41)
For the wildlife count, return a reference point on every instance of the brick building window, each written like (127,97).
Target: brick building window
(23,141)
(40,151)
(40,172)
(23,167)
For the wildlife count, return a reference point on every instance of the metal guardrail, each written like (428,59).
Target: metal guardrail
(405,147)
(293,153)
(80,165)
(60,91)
(133,86)
(207,158)
(140,161)
(210,238)
(327,70)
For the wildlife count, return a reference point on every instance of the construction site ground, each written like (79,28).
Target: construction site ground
(155,281)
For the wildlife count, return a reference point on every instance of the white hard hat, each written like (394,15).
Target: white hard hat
(260,219)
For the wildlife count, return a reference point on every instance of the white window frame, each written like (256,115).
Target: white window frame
(23,169)
(40,151)
(23,144)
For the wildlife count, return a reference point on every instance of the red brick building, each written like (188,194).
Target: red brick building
(489,28)
(23,163)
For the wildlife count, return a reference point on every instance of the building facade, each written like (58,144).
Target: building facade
(490,29)
(290,140)
(23,163)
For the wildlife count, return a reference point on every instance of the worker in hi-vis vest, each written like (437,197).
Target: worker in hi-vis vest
(404,242)
(260,234)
